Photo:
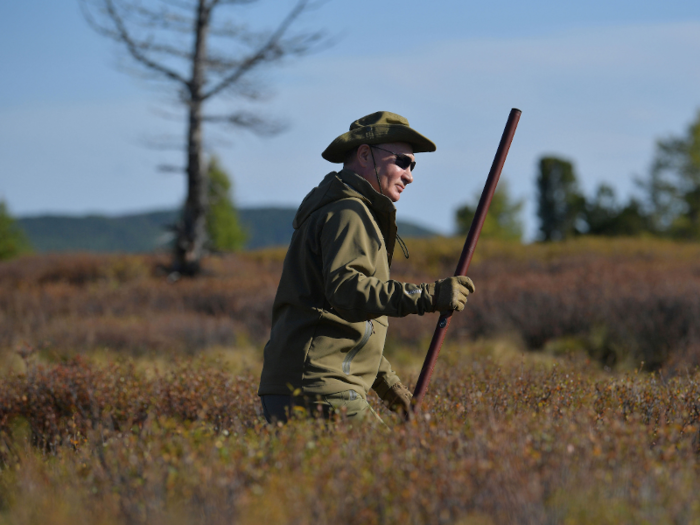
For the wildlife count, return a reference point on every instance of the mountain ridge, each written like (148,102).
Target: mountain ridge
(148,231)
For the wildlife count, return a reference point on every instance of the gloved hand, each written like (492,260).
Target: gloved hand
(398,398)
(451,293)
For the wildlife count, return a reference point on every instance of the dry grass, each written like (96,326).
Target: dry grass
(624,301)
(509,440)
(64,305)
(133,400)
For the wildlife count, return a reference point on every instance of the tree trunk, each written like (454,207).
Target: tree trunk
(192,232)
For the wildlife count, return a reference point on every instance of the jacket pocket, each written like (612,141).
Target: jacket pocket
(369,328)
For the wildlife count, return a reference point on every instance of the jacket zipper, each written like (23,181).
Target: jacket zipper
(369,329)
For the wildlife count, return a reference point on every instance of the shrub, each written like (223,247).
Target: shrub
(496,443)
(623,301)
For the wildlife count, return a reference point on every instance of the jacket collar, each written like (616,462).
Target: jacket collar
(382,208)
(379,202)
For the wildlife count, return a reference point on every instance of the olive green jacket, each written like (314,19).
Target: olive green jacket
(329,318)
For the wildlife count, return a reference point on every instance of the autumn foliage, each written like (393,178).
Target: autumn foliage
(623,301)
(516,442)
(567,393)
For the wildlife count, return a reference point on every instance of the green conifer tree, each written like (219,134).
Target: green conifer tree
(673,186)
(503,220)
(560,204)
(13,241)
(604,216)
(223,224)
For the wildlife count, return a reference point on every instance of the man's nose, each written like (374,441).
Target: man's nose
(408,175)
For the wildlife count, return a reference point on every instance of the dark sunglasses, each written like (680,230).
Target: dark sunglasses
(402,161)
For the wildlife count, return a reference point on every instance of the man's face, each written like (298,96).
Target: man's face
(393,179)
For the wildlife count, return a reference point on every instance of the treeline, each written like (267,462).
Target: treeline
(564,211)
(667,205)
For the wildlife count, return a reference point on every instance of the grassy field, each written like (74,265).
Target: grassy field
(568,392)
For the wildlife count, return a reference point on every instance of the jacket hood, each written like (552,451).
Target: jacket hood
(345,184)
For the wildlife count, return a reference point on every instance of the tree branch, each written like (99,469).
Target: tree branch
(233,2)
(180,5)
(271,50)
(170,168)
(164,18)
(245,119)
(220,64)
(164,49)
(136,49)
(142,17)
(228,30)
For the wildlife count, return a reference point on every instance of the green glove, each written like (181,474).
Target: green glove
(451,293)
(398,398)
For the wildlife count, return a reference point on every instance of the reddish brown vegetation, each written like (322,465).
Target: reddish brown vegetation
(621,301)
(509,442)
(79,303)
(520,444)
(621,307)
(66,401)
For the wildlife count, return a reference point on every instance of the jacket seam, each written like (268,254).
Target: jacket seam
(308,349)
(345,366)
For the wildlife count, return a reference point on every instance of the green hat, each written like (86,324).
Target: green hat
(378,128)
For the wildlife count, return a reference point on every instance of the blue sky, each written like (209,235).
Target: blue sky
(598,83)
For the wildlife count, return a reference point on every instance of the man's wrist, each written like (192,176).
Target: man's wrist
(432,297)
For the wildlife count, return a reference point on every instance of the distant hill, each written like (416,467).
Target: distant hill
(141,232)
(146,232)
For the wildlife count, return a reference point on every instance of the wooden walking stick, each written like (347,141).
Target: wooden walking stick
(467,252)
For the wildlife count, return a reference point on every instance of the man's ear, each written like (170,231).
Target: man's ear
(364,156)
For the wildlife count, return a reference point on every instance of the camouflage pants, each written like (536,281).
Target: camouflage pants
(348,404)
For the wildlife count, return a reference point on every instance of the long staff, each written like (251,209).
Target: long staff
(467,252)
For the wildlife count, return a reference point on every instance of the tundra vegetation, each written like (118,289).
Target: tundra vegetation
(13,241)
(568,392)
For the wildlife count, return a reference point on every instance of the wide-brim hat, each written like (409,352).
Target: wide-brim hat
(378,128)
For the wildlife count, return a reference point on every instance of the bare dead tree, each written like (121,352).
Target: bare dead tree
(195,49)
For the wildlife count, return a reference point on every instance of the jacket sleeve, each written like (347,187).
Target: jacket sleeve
(350,246)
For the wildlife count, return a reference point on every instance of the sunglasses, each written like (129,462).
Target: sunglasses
(402,161)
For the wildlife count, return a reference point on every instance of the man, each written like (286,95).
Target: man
(329,318)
